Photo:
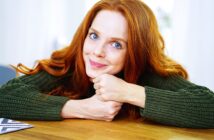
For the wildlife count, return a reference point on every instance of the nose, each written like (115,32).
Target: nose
(99,50)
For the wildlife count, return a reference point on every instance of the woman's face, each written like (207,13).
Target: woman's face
(105,46)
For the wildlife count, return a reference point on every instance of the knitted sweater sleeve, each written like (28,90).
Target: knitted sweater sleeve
(23,98)
(178,102)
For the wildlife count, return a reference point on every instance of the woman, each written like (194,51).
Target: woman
(114,65)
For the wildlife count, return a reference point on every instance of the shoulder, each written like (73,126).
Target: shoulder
(172,81)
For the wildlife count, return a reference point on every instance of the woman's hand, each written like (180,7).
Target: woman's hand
(110,88)
(91,108)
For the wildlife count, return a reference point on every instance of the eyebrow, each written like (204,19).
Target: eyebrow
(114,38)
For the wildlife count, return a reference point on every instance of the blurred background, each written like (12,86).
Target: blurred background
(31,29)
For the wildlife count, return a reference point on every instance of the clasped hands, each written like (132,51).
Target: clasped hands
(110,94)
(112,90)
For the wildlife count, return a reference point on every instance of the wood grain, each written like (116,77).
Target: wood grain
(77,129)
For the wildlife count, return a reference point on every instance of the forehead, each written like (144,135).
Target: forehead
(111,23)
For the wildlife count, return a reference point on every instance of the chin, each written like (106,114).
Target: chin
(91,74)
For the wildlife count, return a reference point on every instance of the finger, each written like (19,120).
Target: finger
(119,104)
(96,80)
(116,112)
(100,98)
(97,92)
(96,86)
(118,108)
(116,104)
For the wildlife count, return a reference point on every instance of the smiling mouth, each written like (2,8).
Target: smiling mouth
(96,64)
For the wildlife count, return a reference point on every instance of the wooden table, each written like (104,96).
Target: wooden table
(122,129)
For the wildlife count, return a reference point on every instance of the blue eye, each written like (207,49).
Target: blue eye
(117,45)
(93,36)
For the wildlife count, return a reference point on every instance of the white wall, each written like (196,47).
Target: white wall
(31,29)
(193,42)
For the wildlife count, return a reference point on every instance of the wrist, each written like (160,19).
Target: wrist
(71,109)
(135,95)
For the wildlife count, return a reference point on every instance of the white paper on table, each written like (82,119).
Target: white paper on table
(8,125)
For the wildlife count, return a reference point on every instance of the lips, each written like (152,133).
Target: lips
(96,64)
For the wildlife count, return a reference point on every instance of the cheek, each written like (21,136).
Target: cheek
(122,61)
(87,49)
(118,60)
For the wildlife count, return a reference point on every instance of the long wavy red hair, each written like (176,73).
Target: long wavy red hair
(145,51)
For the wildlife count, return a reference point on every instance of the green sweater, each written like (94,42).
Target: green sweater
(171,101)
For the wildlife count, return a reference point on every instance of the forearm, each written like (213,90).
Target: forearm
(189,107)
(24,102)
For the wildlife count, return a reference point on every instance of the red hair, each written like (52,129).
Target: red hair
(145,51)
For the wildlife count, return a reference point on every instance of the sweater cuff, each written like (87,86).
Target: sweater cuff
(53,111)
(157,105)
